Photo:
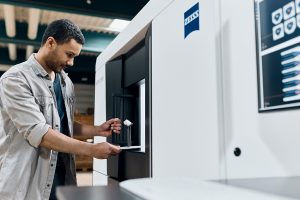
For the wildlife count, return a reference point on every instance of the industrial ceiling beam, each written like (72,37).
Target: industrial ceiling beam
(95,42)
(120,9)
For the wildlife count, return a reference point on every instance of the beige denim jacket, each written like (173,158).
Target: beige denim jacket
(27,110)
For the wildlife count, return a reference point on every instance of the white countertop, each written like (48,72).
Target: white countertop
(189,188)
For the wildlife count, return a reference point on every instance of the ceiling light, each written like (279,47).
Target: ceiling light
(29,51)
(119,24)
(12,51)
(84,79)
(4,67)
(9,18)
(33,23)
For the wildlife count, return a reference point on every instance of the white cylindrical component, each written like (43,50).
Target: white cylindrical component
(33,23)
(9,18)
(12,51)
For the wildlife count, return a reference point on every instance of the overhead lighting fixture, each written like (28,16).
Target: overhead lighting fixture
(12,51)
(119,24)
(84,79)
(33,23)
(89,2)
(4,67)
(9,18)
(29,51)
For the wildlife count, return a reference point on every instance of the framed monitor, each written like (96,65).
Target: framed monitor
(277,25)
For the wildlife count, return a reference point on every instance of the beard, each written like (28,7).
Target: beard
(54,66)
(53,63)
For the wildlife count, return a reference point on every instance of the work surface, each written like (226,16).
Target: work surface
(259,188)
(93,193)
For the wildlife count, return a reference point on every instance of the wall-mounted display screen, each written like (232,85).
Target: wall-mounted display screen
(278,53)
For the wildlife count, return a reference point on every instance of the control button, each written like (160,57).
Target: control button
(237,151)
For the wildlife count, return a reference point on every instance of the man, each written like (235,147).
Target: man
(36,120)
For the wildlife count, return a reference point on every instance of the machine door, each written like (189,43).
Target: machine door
(128,98)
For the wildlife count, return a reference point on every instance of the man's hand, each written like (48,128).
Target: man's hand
(104,150)
(112,125)
(59,142)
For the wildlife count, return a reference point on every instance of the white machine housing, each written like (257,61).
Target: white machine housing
(204,95)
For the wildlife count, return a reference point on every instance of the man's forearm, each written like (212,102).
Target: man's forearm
(59,142)
(84,130)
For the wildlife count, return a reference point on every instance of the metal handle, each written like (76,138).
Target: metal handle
(129,136)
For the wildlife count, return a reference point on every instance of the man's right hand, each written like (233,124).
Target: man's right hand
(62,143)
(104,150)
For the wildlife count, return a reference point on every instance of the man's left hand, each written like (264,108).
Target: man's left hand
(112,125)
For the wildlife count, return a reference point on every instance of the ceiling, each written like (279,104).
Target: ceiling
(22,23)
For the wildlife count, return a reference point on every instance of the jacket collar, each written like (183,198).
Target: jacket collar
(39,70)
(36,66)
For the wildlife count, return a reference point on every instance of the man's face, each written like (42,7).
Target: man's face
(61,56)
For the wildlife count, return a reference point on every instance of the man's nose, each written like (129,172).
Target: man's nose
(70,62)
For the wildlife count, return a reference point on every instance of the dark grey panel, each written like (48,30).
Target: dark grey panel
(93,193)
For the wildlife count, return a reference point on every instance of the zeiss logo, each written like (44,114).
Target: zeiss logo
(191,20)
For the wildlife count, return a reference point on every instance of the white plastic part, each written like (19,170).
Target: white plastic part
(127,123)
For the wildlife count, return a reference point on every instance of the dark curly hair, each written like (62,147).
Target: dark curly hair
(63,31)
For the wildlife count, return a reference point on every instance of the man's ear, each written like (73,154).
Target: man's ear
(51,43)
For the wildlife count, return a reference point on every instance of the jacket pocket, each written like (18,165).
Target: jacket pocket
(46,104)
(71,104)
